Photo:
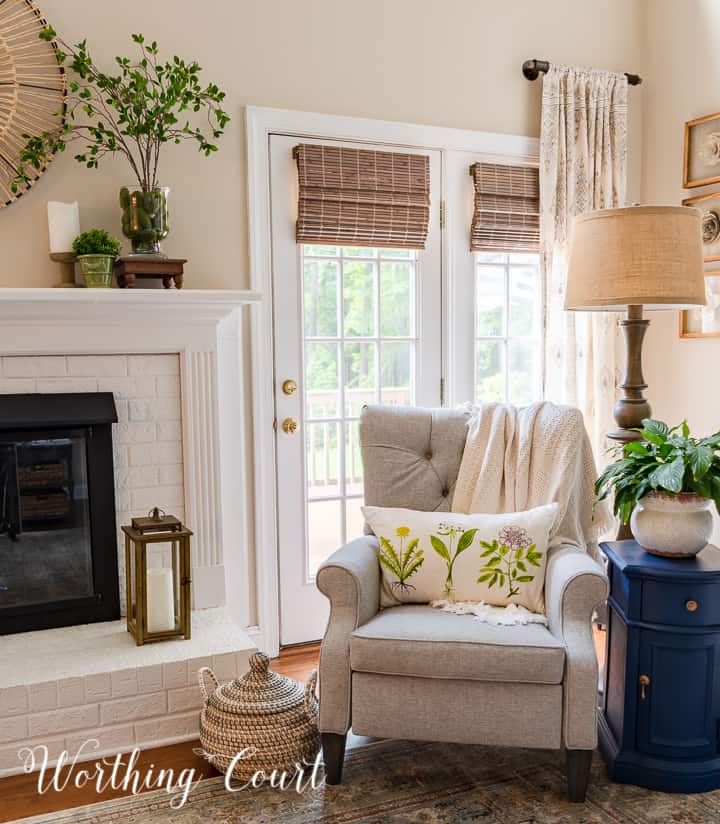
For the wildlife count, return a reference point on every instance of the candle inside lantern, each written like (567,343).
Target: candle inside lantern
(160,601)
(63,224)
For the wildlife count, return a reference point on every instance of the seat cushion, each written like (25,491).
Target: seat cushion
(424,642)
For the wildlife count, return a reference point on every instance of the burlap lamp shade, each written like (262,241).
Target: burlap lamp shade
(642,255)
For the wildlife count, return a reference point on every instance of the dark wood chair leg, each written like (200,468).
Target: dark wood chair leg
(578,773)
(333,746)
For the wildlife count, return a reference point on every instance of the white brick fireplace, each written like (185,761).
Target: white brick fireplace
(173,361)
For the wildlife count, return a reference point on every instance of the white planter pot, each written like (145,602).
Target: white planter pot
(678,526)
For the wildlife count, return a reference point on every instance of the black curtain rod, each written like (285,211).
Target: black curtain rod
(532,68)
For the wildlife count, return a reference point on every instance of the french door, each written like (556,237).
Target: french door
(352,326)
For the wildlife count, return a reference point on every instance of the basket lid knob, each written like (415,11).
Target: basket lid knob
(259,663)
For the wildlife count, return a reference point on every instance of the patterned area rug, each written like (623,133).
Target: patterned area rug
(417,783)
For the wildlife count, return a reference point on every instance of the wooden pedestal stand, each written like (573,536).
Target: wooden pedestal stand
(169,270)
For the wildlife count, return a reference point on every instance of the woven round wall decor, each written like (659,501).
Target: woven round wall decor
(32,88)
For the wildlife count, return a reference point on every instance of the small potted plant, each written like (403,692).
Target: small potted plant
(664,484)
(96,251)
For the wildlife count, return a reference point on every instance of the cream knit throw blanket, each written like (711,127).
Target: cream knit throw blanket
(517,459)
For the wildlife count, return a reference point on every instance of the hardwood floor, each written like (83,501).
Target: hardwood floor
(19,797)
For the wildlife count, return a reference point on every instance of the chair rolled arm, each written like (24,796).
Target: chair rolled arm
(574,585)
(350,579)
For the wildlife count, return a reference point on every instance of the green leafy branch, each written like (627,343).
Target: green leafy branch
(505,564)
(403,563)
(446,551)
(133,112)
(665,459)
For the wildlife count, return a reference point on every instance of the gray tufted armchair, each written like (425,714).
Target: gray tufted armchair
(375,663)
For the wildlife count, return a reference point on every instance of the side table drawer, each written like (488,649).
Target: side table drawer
(684,604)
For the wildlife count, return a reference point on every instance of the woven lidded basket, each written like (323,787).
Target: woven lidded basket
(271,717)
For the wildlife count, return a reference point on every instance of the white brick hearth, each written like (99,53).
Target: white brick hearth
(173,361)
(62,687)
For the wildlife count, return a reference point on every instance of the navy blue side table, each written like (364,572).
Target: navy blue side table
(660,720)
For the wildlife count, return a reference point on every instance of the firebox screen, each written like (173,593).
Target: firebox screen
(45,546)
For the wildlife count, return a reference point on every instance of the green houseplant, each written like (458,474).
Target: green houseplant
(664,484)
(96,251)
(135,111)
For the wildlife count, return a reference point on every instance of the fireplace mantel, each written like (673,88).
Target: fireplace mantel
(205,327)
(121,307)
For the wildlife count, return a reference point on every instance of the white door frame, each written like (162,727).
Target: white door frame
(260,122)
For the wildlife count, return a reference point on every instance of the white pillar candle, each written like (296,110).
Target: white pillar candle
(64,225)
(160,601)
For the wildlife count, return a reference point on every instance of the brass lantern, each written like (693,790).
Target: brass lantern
(157,575)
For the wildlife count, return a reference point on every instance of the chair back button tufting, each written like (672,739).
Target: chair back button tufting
(428,455)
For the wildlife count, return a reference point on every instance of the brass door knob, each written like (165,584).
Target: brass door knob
(289,387)
(644,682)
(290,425)
(691,606)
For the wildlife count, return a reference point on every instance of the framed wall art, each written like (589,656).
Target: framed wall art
(704,321)
(701,161)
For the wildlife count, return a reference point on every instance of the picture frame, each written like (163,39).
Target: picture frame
(704,321)
(701,152)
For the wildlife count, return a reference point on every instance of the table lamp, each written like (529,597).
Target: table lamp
(640,256)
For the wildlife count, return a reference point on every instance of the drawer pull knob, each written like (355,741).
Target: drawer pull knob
(644,682)
(691,606)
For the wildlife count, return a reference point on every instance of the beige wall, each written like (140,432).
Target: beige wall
(683,63)
(451,63)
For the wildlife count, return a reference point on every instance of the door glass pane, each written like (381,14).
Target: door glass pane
(322,379)
(524,297)
(359,298)
(489,371)
(324,531)
(323,459)
(320,288)
(490,300)
(396,300)
(360,376)
(359,251)
(365,301)
(320,250)
(396,372)
(508,322)
(523,370)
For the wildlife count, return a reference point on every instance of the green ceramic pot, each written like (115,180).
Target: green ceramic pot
(96,270)
(145,218)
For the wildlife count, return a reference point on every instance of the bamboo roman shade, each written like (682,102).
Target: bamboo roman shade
(507,208)
(362,197)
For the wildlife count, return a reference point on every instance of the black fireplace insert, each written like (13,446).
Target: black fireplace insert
(58,546)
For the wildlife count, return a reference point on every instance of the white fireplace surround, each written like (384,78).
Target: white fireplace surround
(205,328)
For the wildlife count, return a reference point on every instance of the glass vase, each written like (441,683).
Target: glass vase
(145,218)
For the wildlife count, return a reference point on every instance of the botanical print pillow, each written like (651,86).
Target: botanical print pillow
(499,559)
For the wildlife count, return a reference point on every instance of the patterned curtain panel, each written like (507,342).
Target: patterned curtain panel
(506,216)
(362,197)
(583,152)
